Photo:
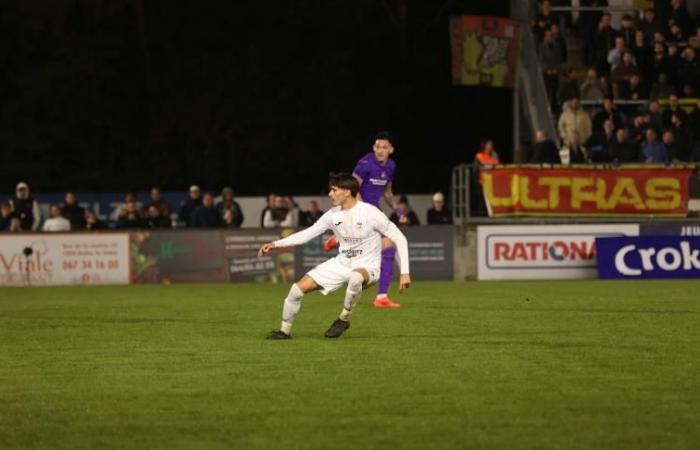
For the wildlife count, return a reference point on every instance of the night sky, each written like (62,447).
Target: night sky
(113,95)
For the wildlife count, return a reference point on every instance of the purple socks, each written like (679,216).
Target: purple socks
(387,270)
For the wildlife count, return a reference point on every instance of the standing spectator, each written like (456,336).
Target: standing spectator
(92,222)
(569,88)
(660,63)
(156,219)
(689,70)
(550,57)
(642,53)
(654,113)
(650,24)
(592,89)
(56,222)
(573,152)
(487,154)
(270,203)
(620,77)
(438,214)
(622,150)
(634,90)
(130,216)
(545,150)
(682,137)
(694,122)
(159,202)
(311,215)
(561,42)
(72,211)
(404,215)
(673,108)
(662,88)
(615,54)
(669,142)
(207,216)
(228,203)
(653,151)
(680,16)
(5,216)
(276,216)
(293,212)
(26,208)
(604,42)
(588,28)
(189,205)
(121,209)
(626,31)
(575,119)
(543,21)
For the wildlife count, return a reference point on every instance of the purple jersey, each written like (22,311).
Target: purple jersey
(374,176)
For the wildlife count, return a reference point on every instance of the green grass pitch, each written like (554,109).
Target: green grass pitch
(487,365)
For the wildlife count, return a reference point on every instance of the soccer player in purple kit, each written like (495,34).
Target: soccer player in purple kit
(375,172)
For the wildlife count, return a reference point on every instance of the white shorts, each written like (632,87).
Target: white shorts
(331,275)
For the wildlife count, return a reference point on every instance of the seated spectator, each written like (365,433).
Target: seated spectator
(609,112)
(689,70)
(487,154)
(592,89)
(620,76)
(92,222)
(276,216)
(622,150)
(599,144)
(159,202)
(228,203)
(156,219)
(25,208)
(574,119)
(668,140)
(56,222)
(189,205)
(573,152)
(634,90)
(653,150)
(311,215)
(654,112)
(545,151)
(662,88)
(569,87)
(269,204)
(5,216)
(673,108)
(72,211)
(404,215)
(130,216)
(207,216)
(438,214)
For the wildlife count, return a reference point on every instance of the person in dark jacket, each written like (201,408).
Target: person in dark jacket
(438,214)
(156,219)
(5,216)
(189,205)
(26,208)
(73,212)
(404,215)
(311,215)
(545,150)
(622,149)
(207,216)
(228,203)
(130,217)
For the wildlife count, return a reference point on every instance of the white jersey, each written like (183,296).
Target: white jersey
(359,231)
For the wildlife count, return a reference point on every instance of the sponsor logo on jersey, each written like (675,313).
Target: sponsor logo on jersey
(351,252)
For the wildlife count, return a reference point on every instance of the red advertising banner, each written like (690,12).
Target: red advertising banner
(484,50)
(514,191)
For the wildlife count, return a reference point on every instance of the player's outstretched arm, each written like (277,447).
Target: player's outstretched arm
(266,248)
(300,237)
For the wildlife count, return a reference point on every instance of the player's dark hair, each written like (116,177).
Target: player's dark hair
(344,180)
(384,135)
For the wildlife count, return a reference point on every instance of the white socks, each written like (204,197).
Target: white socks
(292,305)
(352,295)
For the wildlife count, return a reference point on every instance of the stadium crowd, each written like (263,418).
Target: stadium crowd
(198,210)
(634,97)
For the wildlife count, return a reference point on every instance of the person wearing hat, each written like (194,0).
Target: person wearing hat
(26,208)
(189,205)
(438,214)
(235,218)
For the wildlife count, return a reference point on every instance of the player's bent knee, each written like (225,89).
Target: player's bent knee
(357,280)
(306,284)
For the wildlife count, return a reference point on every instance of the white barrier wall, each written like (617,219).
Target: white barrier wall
(528,252)
(64,258)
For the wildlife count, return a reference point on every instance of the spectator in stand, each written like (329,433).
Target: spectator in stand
(487,154)
(293,212)
(674,59)
(634,90)
(311,215)
(660,63)
(276,216)
(615,54)
(121,209)
(673,108)
(642,53)
(604,42)
(545,151)
(620,77)
(675,35)
(550,59)
(588,22)
(404,215)
(228,203)
(680,16)
(653,150)
(5,216)
(130,216)
(270,203)
(640,124)
(573,152)
(72,211)
(92,222)
(569,87)
(669,142)
(689,70)
(627,30)
(654,113)
(574,119)
(694,122)
(650,24)
(207,216)
(438,214)
(592,89)
(159,202)
(26,208)
(156,219)
(599,144)
(682,137)
(56,222)
(662,88)
(622,150)
(15,225)
(543,21)
(561,42)
(189,205)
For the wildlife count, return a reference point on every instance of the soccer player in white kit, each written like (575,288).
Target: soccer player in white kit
(359,228)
